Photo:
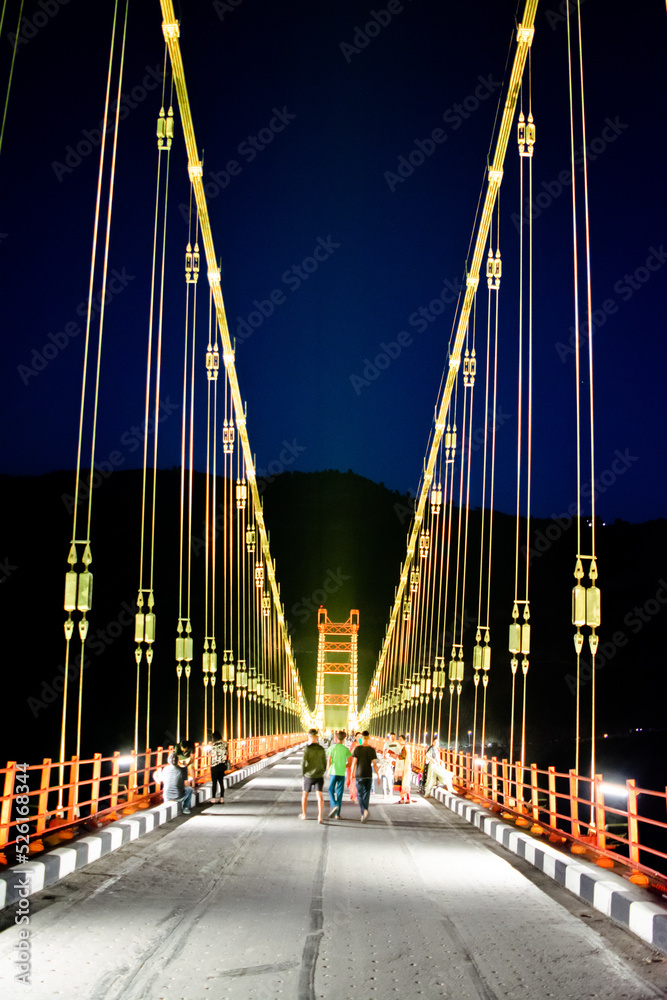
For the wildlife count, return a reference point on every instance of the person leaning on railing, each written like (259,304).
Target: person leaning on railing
(185,752)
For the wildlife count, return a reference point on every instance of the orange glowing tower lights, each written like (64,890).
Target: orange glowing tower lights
(336,685)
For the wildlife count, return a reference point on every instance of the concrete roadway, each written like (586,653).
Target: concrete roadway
(247,902)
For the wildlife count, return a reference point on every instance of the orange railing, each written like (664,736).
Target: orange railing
(48,801)
(606,820)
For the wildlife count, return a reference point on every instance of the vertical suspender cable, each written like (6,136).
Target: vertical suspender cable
(525,34)
(519,638)
(525,628)
(144,629)
(78,585)
(11,68)
(585,600)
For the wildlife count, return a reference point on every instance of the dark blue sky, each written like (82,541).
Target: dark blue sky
(305,117)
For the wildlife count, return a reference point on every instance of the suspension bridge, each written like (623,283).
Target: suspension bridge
(508,879)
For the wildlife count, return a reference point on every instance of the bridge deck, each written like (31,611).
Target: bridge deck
(246,902)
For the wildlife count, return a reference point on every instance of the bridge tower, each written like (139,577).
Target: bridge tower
(336,686)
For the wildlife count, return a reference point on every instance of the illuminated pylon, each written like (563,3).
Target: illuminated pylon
(336,686)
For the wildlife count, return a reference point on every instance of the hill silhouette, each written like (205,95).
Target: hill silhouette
(338,540)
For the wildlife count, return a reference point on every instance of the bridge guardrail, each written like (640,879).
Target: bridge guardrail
(48,801)
(569,808)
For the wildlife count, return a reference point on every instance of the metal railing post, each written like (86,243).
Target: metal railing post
(95,784)
(600,820)
(506,782)
(574,803)
(145,788)
(484,778)
(518,786)
(132,777)
(534,792)
(633,821)
(43,800)
(115,774)
(553,820)
(159,754)
(73,790)
(494,779)
(7,798)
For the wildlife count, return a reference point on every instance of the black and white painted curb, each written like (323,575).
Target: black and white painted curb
(629,905)
(23,880)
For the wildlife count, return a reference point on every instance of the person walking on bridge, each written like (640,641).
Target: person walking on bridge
(364,763)
(338,755)
(403,777)
(313,766)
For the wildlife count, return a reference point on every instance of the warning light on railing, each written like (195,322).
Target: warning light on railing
(125,761)
(609,789)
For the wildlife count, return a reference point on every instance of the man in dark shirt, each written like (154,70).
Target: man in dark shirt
(173,784)
(313,766)
(364,762)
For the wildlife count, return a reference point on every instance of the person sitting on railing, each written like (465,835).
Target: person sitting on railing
(174,781)
(185,752)
(219,765)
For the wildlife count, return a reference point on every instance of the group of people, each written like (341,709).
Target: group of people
(178,775)
(355,763)
(350,760)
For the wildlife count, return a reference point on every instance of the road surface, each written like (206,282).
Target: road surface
(244,901)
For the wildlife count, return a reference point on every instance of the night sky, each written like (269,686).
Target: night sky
(305,117)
